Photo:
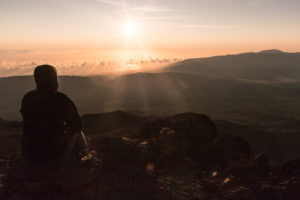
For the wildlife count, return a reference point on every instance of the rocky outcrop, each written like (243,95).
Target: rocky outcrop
(179,157)
(290,169)
(179,138)
(197,128)
(106,122)
(116,152)
(189,131)
(251,179)
(152,129)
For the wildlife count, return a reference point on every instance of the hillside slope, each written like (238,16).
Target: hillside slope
(264,65)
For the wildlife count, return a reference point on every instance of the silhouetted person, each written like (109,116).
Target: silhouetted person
(51,123)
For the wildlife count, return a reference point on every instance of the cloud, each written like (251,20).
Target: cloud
(116,3)
(17,51)
(13,68)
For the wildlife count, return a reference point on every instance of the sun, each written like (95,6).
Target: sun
(130,29)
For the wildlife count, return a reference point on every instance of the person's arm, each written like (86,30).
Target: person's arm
(23,143)
(74,124)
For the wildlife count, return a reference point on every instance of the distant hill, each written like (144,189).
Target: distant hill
(167,93)
(264,65)
(261,88)
(272,51)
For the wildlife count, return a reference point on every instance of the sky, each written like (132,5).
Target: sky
(120,32)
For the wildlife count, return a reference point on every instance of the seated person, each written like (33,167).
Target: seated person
(51,124)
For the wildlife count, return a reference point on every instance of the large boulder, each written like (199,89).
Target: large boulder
(116,121)
(152,129)
(116,152)
(187,131)
(290,169)
(128,169)
(220,153)
(195,128)
(249,172)
(179,138)
(232,148)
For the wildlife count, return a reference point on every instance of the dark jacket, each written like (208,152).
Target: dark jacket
(46,117)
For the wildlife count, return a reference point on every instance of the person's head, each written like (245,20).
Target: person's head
(46,78)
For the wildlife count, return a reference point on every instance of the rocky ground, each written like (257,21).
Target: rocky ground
(179,157)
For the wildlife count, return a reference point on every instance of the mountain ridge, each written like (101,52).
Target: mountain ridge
(264,65)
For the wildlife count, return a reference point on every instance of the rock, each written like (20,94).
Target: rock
(219,154)
(52,180)
(3,165)
(168,141)
(229,183)
(292,187)
(250,171)
(105,122)
(208,157)
(171,162)
(153,129)
(289,169)
(116,152)
(244,172)
(195,128)
(190,126)
(180,137)
(261,162)
(209,185)
(231,148)
(238,146)
(240,193)
(268,191)
(127,183)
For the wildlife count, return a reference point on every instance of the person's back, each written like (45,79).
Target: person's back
(47,114)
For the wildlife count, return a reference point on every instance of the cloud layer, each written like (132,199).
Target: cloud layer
(13,68)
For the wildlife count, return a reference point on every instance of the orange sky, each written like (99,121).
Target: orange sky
(77,31)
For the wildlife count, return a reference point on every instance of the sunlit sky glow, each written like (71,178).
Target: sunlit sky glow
(78,31)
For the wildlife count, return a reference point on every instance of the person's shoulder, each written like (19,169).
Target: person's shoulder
(63,97)
(30,94)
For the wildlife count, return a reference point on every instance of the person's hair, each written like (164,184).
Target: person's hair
(46,78)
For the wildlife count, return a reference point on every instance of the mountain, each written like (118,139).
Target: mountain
(168,93)
(257,96)
(264,65)
(261,88)
(271,51)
